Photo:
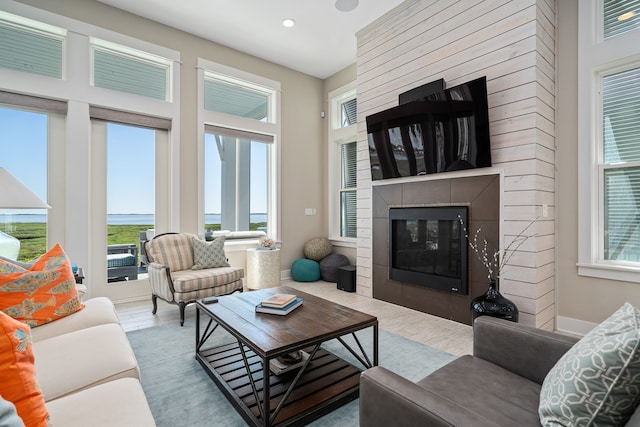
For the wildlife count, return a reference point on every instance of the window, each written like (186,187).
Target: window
(348,190)
(23,143)
(620,16)
(239,113)
(609,140)
(342,164)
(132,71)
(236,98)
(31,46)
(621,166)
(236,171)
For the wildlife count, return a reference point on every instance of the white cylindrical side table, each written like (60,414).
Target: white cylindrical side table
(263,268)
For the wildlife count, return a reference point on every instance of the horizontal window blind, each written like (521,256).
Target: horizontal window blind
(621,114)
(126,73)
(124,117)
(236,100)
(348,199)
(349,164)
(622,214)
(348,218)
(239,134)
(620,16)
(349,112)
(30,50)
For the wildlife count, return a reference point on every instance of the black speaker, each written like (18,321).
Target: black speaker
(347,278)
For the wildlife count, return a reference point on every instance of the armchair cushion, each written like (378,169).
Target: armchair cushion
(193,280)
(171,250)
(209,254)
(595,382)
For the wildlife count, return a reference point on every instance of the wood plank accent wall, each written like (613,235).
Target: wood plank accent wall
(512,43)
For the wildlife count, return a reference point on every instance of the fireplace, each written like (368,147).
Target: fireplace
(428,247)
(475,196)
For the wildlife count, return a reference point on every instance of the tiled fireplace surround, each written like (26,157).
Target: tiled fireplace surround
(481,194)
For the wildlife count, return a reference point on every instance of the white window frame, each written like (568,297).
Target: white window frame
(270,127)
(597,57)
(338,135)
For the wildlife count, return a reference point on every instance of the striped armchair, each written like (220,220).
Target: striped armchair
(170,258)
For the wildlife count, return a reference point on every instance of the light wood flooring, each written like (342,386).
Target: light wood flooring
(452,337)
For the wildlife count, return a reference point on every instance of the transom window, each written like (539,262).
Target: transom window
(31,46)
(232,96)
(131,71)
(620,16)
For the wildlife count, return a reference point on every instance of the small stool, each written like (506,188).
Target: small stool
(346,278)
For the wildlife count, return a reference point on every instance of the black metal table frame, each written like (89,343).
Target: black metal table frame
(213,324)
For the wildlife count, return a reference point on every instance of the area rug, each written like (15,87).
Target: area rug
(181,393)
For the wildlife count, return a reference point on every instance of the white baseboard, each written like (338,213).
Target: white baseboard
(285,274)
(573,326)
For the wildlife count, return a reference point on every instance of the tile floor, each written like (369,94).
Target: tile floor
(445,335)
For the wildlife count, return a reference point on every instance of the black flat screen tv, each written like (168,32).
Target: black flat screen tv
(448,130)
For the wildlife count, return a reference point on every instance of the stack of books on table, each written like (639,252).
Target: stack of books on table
(280,304)
(281,365)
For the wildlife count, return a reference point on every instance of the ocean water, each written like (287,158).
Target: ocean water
(127,219)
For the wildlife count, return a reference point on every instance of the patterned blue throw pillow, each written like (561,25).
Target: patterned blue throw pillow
(209,254)
(597,382)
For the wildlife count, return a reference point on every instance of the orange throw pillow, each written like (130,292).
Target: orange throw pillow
(45,292)
(17,372)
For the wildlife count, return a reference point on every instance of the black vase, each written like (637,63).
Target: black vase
(492,303)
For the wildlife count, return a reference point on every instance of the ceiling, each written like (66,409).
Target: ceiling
(321,43)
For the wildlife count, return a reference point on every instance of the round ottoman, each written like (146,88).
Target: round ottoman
(318,248)
(305,270)
(329,266)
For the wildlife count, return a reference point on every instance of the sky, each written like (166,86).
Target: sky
(130,164)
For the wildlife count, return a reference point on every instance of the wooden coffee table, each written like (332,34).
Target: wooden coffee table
(323,383)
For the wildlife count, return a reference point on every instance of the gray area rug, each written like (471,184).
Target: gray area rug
(180,393)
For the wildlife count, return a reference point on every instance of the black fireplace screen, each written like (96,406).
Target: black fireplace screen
(428,247)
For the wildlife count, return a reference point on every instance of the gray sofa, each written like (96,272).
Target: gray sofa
(498,386)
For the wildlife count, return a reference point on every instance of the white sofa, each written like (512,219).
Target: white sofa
(87,370)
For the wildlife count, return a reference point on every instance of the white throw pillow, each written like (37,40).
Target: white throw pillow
(597,382)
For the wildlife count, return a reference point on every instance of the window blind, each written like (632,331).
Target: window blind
(621,114)
(124,117)
(28,101)
(30,50)
(622,214)
(129,74)
(348,199)
(620,16)
(621,145)
(236,100)
(348,218)
(349,112)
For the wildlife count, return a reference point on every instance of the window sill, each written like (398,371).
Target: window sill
(343,242)
(610,271)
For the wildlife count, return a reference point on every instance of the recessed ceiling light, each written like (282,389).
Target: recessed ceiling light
(626,16)
(288,22)
(346,5)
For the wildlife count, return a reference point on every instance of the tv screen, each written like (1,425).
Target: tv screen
(449,130)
